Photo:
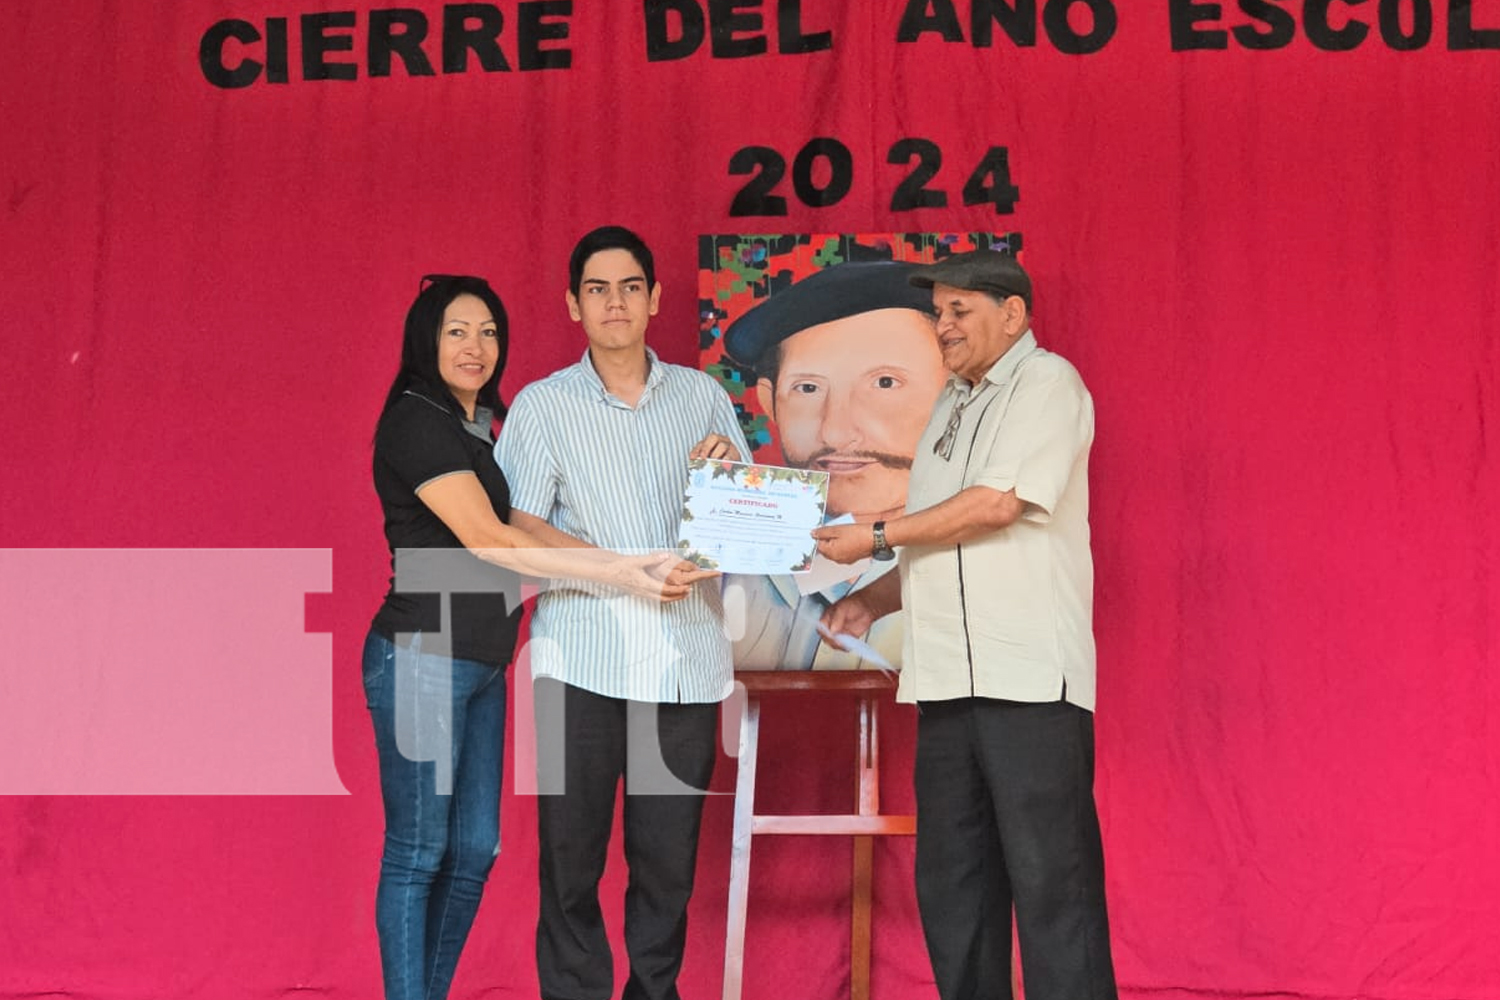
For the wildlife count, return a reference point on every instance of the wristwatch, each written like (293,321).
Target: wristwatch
(882,550)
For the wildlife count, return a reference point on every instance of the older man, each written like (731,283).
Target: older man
(847,368)
(996,580)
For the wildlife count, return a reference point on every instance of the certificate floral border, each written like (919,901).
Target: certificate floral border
(752,477)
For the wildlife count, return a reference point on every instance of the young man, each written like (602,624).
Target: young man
(996,580)
(847,368)
(599,450)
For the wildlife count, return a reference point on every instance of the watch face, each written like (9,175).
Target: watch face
(881,550)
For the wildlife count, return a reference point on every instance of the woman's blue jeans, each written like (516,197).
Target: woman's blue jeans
(440,733)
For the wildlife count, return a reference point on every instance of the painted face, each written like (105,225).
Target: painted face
(613,303)
(468,348)
(851,398)
(973,330)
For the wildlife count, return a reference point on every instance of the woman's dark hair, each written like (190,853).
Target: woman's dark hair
(610,238)
(419,353)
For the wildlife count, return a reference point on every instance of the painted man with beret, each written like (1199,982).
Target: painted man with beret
(996,581)
(847,368)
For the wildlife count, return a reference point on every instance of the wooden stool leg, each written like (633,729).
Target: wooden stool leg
(859,943)
(868,794)
(739,857)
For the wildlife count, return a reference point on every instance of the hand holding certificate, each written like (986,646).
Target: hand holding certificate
(757,519)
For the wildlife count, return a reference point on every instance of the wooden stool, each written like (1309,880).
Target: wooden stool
(871,686)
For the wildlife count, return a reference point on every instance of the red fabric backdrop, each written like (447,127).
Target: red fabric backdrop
(1268,242)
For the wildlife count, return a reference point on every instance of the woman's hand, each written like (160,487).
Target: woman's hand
(659,576)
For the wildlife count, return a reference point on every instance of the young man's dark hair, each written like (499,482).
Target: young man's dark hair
(610,238)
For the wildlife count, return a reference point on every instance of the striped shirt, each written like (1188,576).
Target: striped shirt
(613,475)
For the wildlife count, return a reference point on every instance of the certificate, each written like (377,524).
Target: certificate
(754,519)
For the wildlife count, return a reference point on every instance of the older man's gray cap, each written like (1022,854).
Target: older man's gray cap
(832,293)
(992,271)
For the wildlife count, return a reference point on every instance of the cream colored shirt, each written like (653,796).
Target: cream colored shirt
(1008,615)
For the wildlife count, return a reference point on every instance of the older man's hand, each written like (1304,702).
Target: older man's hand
(851,615)
(845,543)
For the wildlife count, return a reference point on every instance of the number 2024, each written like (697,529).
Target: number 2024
(988,183)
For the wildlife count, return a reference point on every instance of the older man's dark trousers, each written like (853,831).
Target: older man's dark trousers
(603,738)
(1005,815)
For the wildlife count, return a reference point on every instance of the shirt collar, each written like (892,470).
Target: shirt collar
(1004,369)
(480,426)
(654,374)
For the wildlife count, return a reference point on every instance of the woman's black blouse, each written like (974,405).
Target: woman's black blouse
(420,439)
